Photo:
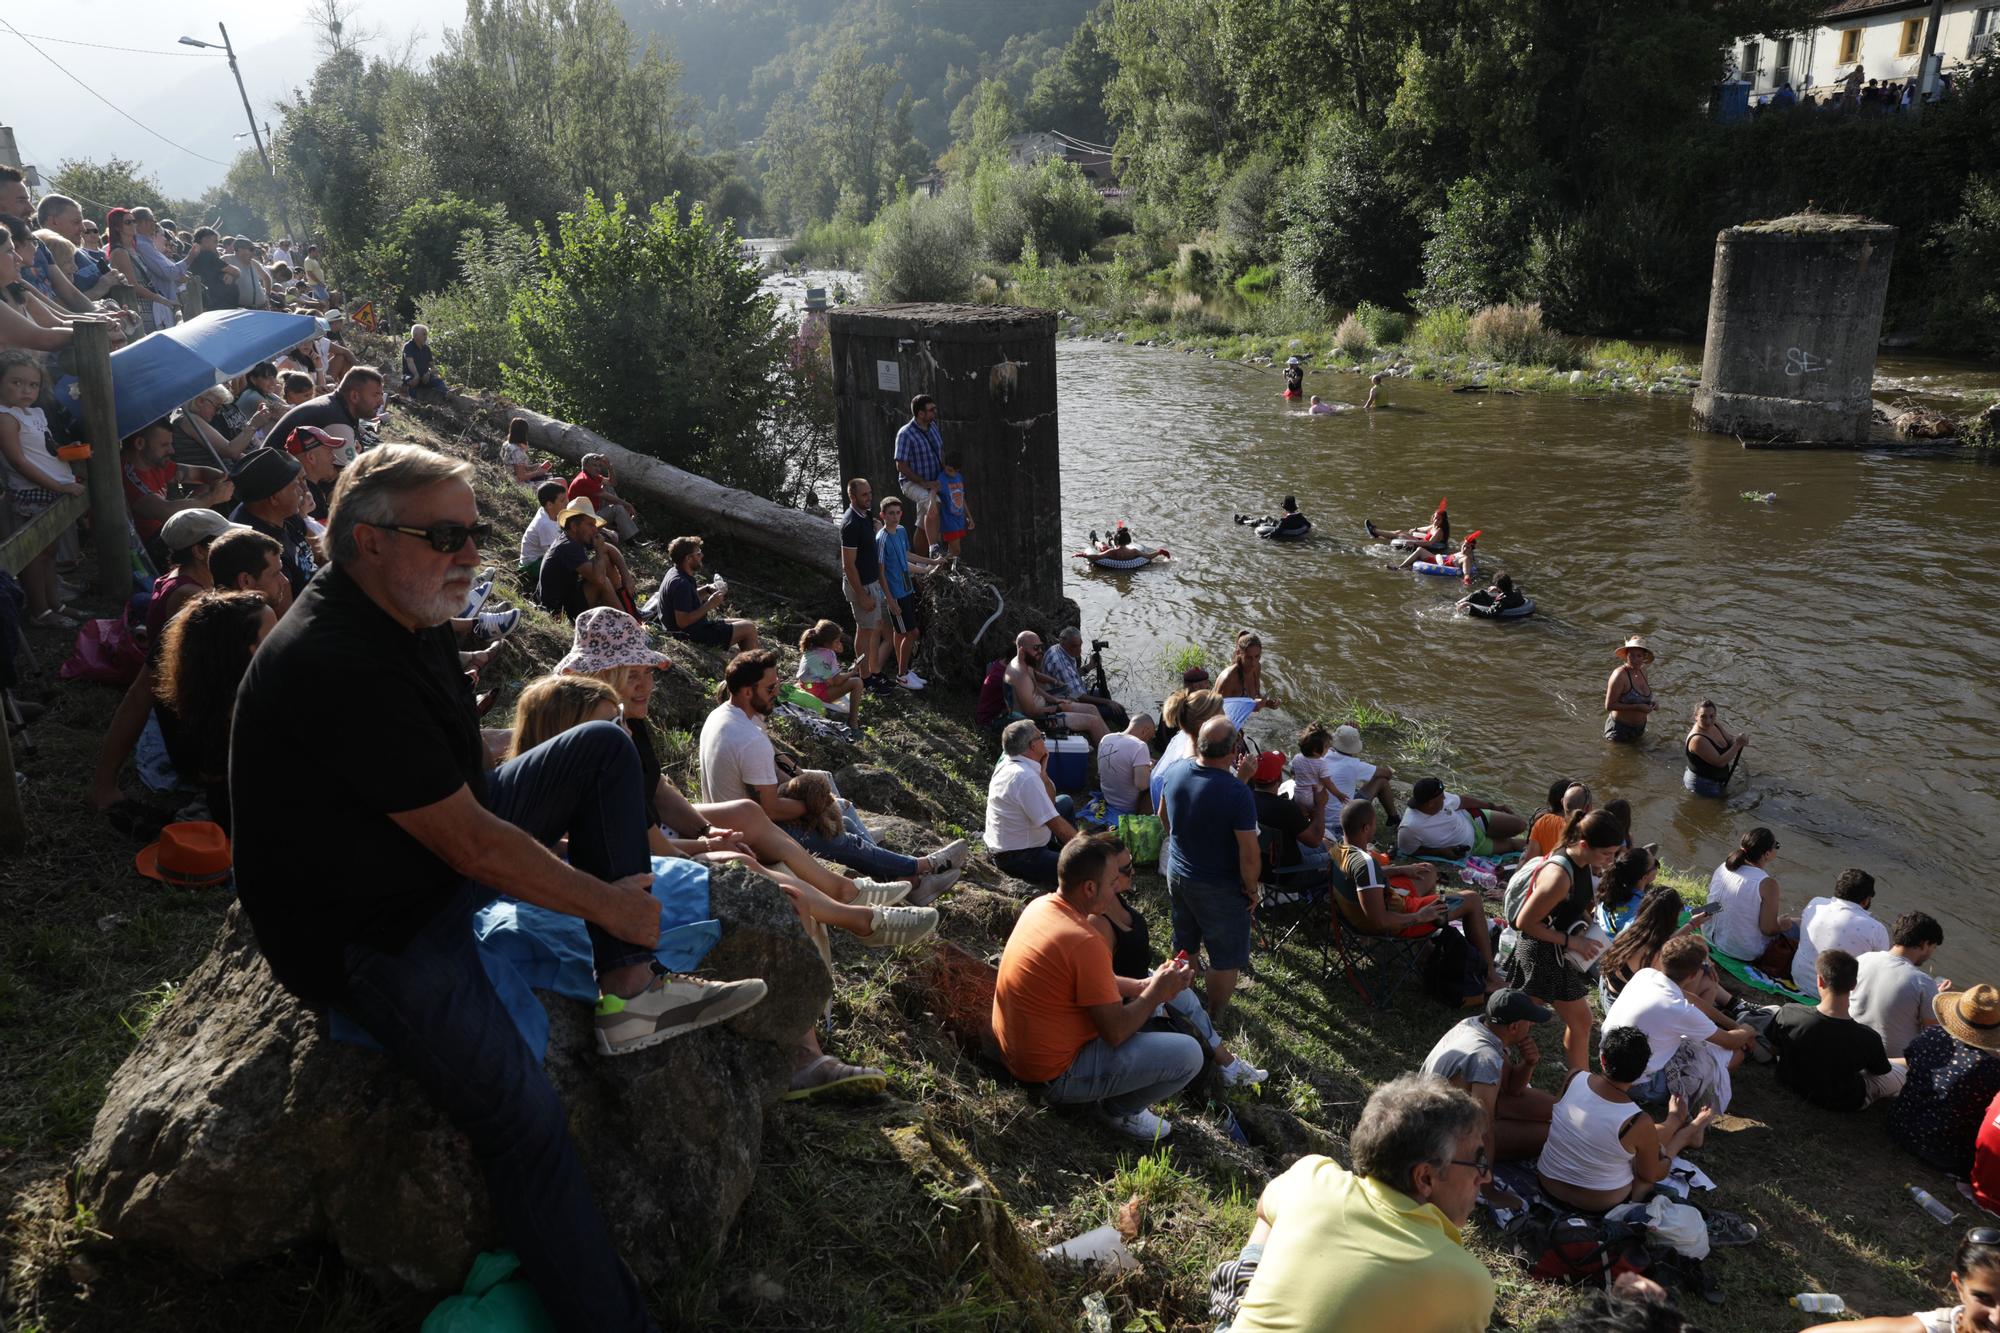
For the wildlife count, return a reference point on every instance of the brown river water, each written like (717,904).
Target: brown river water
(1850,626)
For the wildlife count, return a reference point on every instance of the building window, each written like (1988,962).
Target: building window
(1782,73)
(1752,54)
(1913,37)
(1985,31)
(1850,46)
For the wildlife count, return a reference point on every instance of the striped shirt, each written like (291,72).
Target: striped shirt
(922,447)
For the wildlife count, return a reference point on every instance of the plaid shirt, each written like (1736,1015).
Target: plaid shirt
(1069,684)
(922,448)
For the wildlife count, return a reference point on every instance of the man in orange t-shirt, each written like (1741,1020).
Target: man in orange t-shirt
(1063,1019)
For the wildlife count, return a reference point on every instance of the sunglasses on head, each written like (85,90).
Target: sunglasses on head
(1983,1236)
(445,538)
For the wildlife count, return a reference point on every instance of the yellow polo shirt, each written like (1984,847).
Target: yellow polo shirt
(1347,1254)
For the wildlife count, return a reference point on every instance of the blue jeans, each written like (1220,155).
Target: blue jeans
(1143,1069)
(1701,786)
(855,849)
(435,1013)
(1037,865)
(1315,858)
(1188,1005)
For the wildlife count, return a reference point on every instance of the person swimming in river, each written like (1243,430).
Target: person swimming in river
(1295,377)
(1499,595)
(1435,536)
(1461,559)
(1321,408)
(1291,524)
(1118,552)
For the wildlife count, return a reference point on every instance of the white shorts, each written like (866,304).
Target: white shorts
(918,494)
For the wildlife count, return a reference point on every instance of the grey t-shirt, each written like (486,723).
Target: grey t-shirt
(1469,1050)
(1893,996)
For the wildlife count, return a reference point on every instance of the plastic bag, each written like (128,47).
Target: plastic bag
(105,651)
(1143,837)
(495,1299)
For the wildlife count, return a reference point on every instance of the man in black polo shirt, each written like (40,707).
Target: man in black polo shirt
(267,484)
(378,918)
(861,579)
(339,413)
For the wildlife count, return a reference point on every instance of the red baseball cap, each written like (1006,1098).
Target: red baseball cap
(1270,767)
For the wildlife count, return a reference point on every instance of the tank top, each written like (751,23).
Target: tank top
(1132,946)
(1576,904)
(156,610)
(1735,929)
(35,450)
(1583,1150)
(1701,768)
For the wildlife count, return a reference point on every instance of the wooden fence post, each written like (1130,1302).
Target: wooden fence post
(109,527)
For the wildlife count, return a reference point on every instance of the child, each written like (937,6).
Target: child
(899,568)
(1312,774)
(954,518)
(36,478)
(819,668)
(542,531)
(514,455)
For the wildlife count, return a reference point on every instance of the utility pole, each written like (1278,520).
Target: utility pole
(1924,80)
(284,214)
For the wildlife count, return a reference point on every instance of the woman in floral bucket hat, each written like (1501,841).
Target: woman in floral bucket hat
(606,640)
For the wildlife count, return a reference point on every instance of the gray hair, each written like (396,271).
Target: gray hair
(372,484)
(1070,632)
(1408,1121)
(142,214)
(54,206)
(424,329)
(1017,737)
(218,394)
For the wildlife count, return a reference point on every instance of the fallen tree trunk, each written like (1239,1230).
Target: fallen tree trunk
(711,509)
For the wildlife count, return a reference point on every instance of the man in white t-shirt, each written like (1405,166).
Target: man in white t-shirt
(1893,994)
(738,762)
(1359,779)
(1693,1045)
(1026,826)
(1450,826)
(1125,767)
(1840,922)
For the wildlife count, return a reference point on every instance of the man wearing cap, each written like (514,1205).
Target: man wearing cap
(1062,669)
(1301,831)
(340,412)
(270,504)
(576,573)
(593,483)
(319,456)
(1358,779)
(1450,827)
(1492,1055)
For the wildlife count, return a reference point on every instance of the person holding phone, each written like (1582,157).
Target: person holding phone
(1638,947)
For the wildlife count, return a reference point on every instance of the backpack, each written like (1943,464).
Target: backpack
(1516,895)
(1454,972)
(1570,1247)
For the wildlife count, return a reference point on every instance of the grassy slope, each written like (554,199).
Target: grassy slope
(840,1231)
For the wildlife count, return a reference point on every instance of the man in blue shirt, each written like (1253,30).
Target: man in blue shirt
(919,460)
(1212,858)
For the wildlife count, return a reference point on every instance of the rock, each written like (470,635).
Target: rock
(1576,377)
(1922,424)
(971,1228)
(237,1129)
(869,788)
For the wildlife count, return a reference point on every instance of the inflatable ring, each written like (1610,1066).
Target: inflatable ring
(1136,562)
(1444,571)
(1271,532)
(1485,611)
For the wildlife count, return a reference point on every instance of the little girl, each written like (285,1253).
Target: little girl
(819,668)
(1311,773)
(35,478)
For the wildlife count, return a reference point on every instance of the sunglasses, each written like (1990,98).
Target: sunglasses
(445,538)
(1983,1236)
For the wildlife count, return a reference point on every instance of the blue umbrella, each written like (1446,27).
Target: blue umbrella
(162,370)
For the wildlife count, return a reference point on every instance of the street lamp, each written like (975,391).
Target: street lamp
(230,51)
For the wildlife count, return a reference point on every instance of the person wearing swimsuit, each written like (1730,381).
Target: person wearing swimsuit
(1712,753)
(1435,537)
(1628,695)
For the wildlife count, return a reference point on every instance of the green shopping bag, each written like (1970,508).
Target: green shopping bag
(1143,837)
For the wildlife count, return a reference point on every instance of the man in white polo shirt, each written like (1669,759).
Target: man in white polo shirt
(1840,922)
(1025,823)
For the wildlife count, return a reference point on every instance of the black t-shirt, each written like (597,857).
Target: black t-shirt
(1823,1058)
(1132,953)
(680,595)
(1278,811)
(319,863)
(1293,522)
(327,412)
(858,531)
(649,766)
(217,291)
(560,589)
(296,557)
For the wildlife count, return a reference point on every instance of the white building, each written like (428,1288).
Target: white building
(1884,37)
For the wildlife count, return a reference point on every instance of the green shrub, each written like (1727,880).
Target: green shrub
(1966,313)
(1352,337)
(654,332)
(1050,205)
(1153,308)
(1037,284)
(1385,327)
(1514,335)
(1477,250)
(418,252)
(471,332)
(1348,236)
(835,243)
(1623,268)
(1248,214)
(923,250)
(1442,332)
(1194,264)
(1256,281)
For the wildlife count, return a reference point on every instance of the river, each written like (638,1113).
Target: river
(1848,626)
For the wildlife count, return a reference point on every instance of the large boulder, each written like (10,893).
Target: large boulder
(237,1128)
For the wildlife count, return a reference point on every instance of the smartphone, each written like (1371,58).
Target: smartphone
(1708,909)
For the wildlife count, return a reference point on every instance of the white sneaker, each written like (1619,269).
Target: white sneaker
(880,893)
(910,680)
(476,599)
(1240,1073)
(1141,1124)
(668,1008)
(897,926)
(953,854)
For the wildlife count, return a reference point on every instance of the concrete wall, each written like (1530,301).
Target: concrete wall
(992,370)
(1816,59)
(1794,315)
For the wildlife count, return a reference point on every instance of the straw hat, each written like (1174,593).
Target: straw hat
(580,507)
(1347,740)
(1637,643)
(190,856)
(606,637)
(1973,1016)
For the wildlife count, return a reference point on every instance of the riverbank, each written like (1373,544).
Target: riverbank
(851,1223)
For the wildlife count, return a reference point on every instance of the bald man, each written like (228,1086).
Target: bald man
(1212,858)
(1031,701)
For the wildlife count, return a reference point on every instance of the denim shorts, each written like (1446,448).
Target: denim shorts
(1701,786)
(1215,916)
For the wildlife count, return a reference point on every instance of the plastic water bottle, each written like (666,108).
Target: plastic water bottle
(1930,1204)
(1819,1302)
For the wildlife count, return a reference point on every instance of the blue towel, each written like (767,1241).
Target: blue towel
(525,948)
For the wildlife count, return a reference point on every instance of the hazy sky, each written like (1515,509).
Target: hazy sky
(184,94)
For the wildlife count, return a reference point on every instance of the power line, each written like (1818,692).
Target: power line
(130,50)
(107,101)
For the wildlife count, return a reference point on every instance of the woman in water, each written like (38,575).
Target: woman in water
(1119,549)
(1461,560)
(1499,595)
(1712,753)
(1975,1280)
(1436,536)
(1243,678)
(1374,387)
(1628,695)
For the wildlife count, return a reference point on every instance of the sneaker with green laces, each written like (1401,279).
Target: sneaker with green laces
(897,926)
(669,1008)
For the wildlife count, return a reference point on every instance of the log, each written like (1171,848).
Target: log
(707,508)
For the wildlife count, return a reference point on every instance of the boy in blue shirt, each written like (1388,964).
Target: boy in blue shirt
(954,519)
(892,547)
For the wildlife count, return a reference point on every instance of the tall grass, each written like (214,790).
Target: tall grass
(1514,335)
(1443,332)
(1385,327)
(1352,338)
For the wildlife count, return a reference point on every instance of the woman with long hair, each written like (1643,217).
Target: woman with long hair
(1657,920)
(1620,888)
(1558,902)
(203,655)
(1243,678)
(119,230)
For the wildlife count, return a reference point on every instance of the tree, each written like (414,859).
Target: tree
(651,331)
(851,101)
(1348,237)
(418,253)
(923,250)
(1068,93)
(114,183)
(1173,104)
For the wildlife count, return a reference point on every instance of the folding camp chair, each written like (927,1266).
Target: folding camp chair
(1294,898)
(1390,959)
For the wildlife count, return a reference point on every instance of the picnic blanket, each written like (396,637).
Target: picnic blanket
(1756,978)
